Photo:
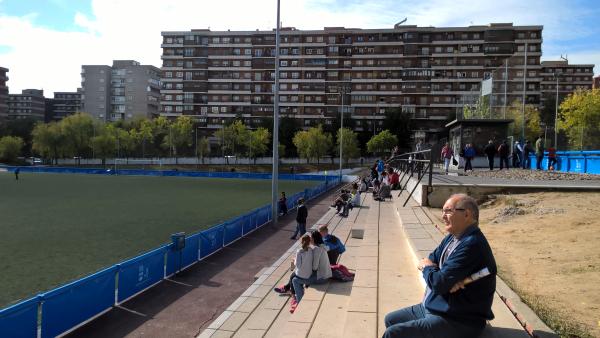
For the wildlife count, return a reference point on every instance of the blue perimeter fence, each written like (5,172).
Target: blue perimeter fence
(582,162)
(70,306)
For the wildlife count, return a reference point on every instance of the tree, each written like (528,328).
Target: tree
(22,128)
(105,142)
(382,143)
(203,148)
(10,148)
(234,138)
(313,143)
(350,147)
(533,127)
(78,130)
(579,117)
(288,126)
(49,140)
(180,135)
(400,125)
(259,143)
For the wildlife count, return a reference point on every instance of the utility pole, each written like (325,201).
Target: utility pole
(275,171)
(523,97)
(556,114)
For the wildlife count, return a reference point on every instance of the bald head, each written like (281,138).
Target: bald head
(459,212)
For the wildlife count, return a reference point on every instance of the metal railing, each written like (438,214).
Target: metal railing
(419,163)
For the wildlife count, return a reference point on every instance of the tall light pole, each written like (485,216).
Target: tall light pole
(524,88)
(342,93)
(556,114)
(196,132)
(275,172)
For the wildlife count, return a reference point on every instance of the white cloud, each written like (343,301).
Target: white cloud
(43,58)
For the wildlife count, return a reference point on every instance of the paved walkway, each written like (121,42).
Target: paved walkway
(184,305)
(384,259)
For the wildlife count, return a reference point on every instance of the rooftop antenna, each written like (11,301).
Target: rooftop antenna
(565,57)
(400,23)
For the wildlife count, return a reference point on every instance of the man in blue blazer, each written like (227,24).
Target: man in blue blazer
(461,280)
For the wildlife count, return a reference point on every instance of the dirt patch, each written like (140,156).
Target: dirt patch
(534,175)
(547,247)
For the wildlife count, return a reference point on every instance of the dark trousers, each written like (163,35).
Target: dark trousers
(416,322)
(539,159)
(468,165)
(503,160)
(300,229)
(551,162)
(526,162)
(491,162)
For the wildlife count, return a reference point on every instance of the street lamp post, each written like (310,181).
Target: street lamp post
(275,170)
(556,114)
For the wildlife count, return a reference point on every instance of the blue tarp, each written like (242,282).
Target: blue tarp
(20,320)
(74,303)
(211,240)
(141,272)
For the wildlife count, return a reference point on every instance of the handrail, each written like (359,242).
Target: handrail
(409,164)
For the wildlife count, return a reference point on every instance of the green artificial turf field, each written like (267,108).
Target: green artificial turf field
(58,227)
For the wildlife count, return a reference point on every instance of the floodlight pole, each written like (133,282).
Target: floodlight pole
(556,114)
(275,173)
(341,132)
(524,89)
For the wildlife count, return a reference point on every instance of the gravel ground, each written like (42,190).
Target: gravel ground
(533,175)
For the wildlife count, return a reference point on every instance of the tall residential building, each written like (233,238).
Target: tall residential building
(29,104)
(423,71)
(123,91)
(567,76)
(63,105)
(3,93)
(597,82)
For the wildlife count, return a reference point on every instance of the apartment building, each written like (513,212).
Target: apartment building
(29,104)
(123,91)
(597,82)
(3,94)
(568,78)
(63,104)
(423,71)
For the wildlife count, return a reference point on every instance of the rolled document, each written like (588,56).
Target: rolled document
(477,275)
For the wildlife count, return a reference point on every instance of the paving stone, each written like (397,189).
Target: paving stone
(220,320)
(260,319)
(366,263)
(295,329)
(363,300)
(423,244)
(234,321)
(360,325)
(417,233)
(249,304)
(236,304)
(306,311)
(222,334)
(249,333)
(365,278)
(261,291)
(274,301)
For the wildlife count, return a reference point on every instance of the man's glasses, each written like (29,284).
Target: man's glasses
(451,211)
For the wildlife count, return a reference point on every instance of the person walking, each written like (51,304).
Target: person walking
(552,158)
(17,171)
(539,153)
(490,152)
(469,153)
(526,152)
(301,215)
(503,151)
(517,155)
(447,155)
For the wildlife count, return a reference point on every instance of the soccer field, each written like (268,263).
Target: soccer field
(58,227)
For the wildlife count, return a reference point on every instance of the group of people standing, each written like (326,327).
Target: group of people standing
(520,155)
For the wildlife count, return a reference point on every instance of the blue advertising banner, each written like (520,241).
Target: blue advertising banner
(20,320)
(140,273)
(74,303)
(233,230)
(211,240)
(190,252)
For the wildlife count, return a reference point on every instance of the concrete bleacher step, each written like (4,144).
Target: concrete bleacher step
(322,311)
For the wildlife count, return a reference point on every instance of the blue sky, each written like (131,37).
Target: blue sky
(45,42)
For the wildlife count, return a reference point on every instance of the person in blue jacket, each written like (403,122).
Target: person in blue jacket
(458,297)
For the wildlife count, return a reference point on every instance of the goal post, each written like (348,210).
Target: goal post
(119,162)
